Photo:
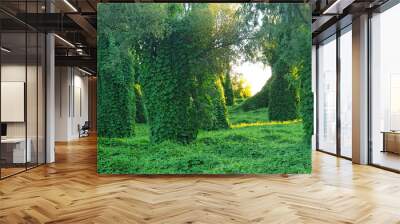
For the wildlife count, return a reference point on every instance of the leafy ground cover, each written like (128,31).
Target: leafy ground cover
(253,145)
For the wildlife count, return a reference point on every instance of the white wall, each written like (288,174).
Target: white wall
(71,102)
(33,126)
(62,82)
(17,73)
(79,110)
(10,73)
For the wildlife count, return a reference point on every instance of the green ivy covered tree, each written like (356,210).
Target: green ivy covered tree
(283,39)
(259,100)
(282,98)
(116,80)
(140,110)
(228,90)
(211,107)
(166,88)
(218,101)
(173,48)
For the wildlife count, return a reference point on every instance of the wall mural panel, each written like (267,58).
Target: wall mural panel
(170,102)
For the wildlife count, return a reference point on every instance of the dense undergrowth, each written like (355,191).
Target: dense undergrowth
(252,145)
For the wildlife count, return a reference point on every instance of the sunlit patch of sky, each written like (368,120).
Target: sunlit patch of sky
(256,73)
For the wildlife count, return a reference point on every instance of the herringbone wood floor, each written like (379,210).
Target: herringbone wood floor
(70,191)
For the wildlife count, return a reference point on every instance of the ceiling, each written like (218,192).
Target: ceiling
(331,15)
(75,22)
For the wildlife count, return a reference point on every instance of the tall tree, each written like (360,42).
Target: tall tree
(228,90)
(176,48)
(282,101)
(260,99)
(117,59)
(241,88)
(116,80)
(196,48)
(140,110)
(283,36)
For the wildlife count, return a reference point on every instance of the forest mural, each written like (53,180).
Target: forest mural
(170,101)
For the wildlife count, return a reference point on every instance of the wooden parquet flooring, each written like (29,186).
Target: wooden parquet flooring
(70,191)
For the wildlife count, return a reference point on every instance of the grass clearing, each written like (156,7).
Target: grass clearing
(252,146)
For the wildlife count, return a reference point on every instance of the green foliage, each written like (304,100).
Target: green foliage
(302,79)
(211,106)
(259,100)
(229,98)
(218,101)
(284,39)
(241,88)
(282,99)
(115,85)
(177,53)
(239,101)
(167,90)
(175,48)
(306,108)
(171,67)
(238,115)
(204,102)
(275,148)
(140,110)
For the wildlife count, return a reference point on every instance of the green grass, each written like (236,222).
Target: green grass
(237,116)
(252,146)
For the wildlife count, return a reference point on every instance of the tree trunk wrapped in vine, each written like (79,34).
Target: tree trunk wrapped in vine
(116,80)
(140,110)
(282,97)
(219,104)
(228,90)
(211,106)
(167,94)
